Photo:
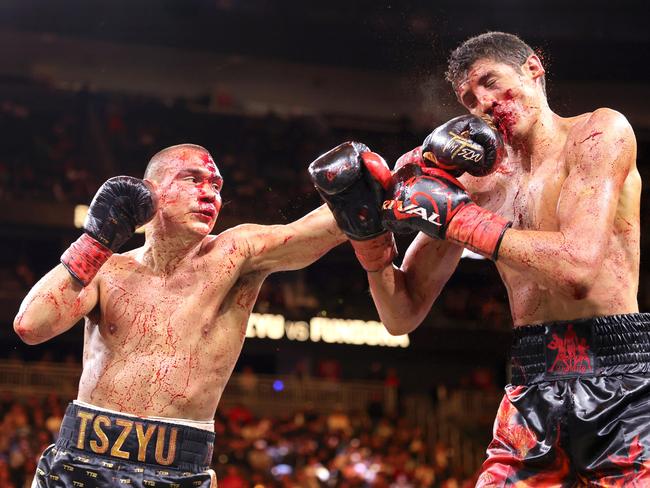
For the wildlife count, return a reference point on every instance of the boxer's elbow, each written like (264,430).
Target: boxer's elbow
(402,324)
(26,334)
(406,317)
(27,330)
(394,328)
(396,331)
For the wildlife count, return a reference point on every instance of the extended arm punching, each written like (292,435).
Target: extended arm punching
(272,248)
(426,197)
(352,181)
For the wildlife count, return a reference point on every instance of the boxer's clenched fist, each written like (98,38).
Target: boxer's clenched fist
(352,181)
(464,144)
(120,205)
(432,201)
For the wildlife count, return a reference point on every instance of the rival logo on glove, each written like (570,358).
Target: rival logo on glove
(411,210)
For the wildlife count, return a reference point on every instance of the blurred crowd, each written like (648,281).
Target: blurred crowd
(61,146)
(63,149)
(302,450)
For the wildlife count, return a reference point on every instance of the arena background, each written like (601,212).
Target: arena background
(89,90)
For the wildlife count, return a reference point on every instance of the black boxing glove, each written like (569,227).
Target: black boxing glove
(121,205)
(464,144)
(352,181)
(432,201)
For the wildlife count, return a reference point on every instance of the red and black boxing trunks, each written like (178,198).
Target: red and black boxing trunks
(577,412)
(100,449)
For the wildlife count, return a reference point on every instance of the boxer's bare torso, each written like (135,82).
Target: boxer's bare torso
(166,344)
(572,190)
(532,197)
(165,323)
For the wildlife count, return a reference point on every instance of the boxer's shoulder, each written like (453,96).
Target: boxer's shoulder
(236,242)
(600,136)
(122,261)
(247,232)
(601,124)
(119,266)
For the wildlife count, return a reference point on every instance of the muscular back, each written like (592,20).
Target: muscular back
(537,196)
(166,345)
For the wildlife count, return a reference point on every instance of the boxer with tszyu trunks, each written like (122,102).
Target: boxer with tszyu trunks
(164,323)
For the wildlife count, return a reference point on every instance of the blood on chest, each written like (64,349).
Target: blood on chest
(529,200)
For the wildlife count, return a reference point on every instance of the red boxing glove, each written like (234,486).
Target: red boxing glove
(478,230)
(430,200)
(412,157)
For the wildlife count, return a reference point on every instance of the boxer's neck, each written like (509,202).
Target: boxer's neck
(533,147)
(163,253)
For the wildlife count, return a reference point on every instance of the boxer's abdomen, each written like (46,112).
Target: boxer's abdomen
(614,292)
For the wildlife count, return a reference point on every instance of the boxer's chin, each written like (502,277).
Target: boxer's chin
(199,225)
(203,228)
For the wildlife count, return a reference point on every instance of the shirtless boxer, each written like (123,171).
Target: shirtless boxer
(559,215)
(164,323)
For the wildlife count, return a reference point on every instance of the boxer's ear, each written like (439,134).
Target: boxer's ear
(533,67)
(151,184)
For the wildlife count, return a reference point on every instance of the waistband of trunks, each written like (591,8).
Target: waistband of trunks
(597,346)
(120,438)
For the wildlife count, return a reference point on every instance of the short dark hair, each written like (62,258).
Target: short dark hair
(160,158)
(497,46)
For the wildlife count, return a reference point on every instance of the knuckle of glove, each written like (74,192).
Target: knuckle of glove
(146,206)
(465,144)
(359,147)
(121,204)
(138,201)
(441,150)
(424,202)
(484,132)
(337,169)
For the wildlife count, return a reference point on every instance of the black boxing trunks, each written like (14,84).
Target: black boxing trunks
(98,448)
(577,412)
